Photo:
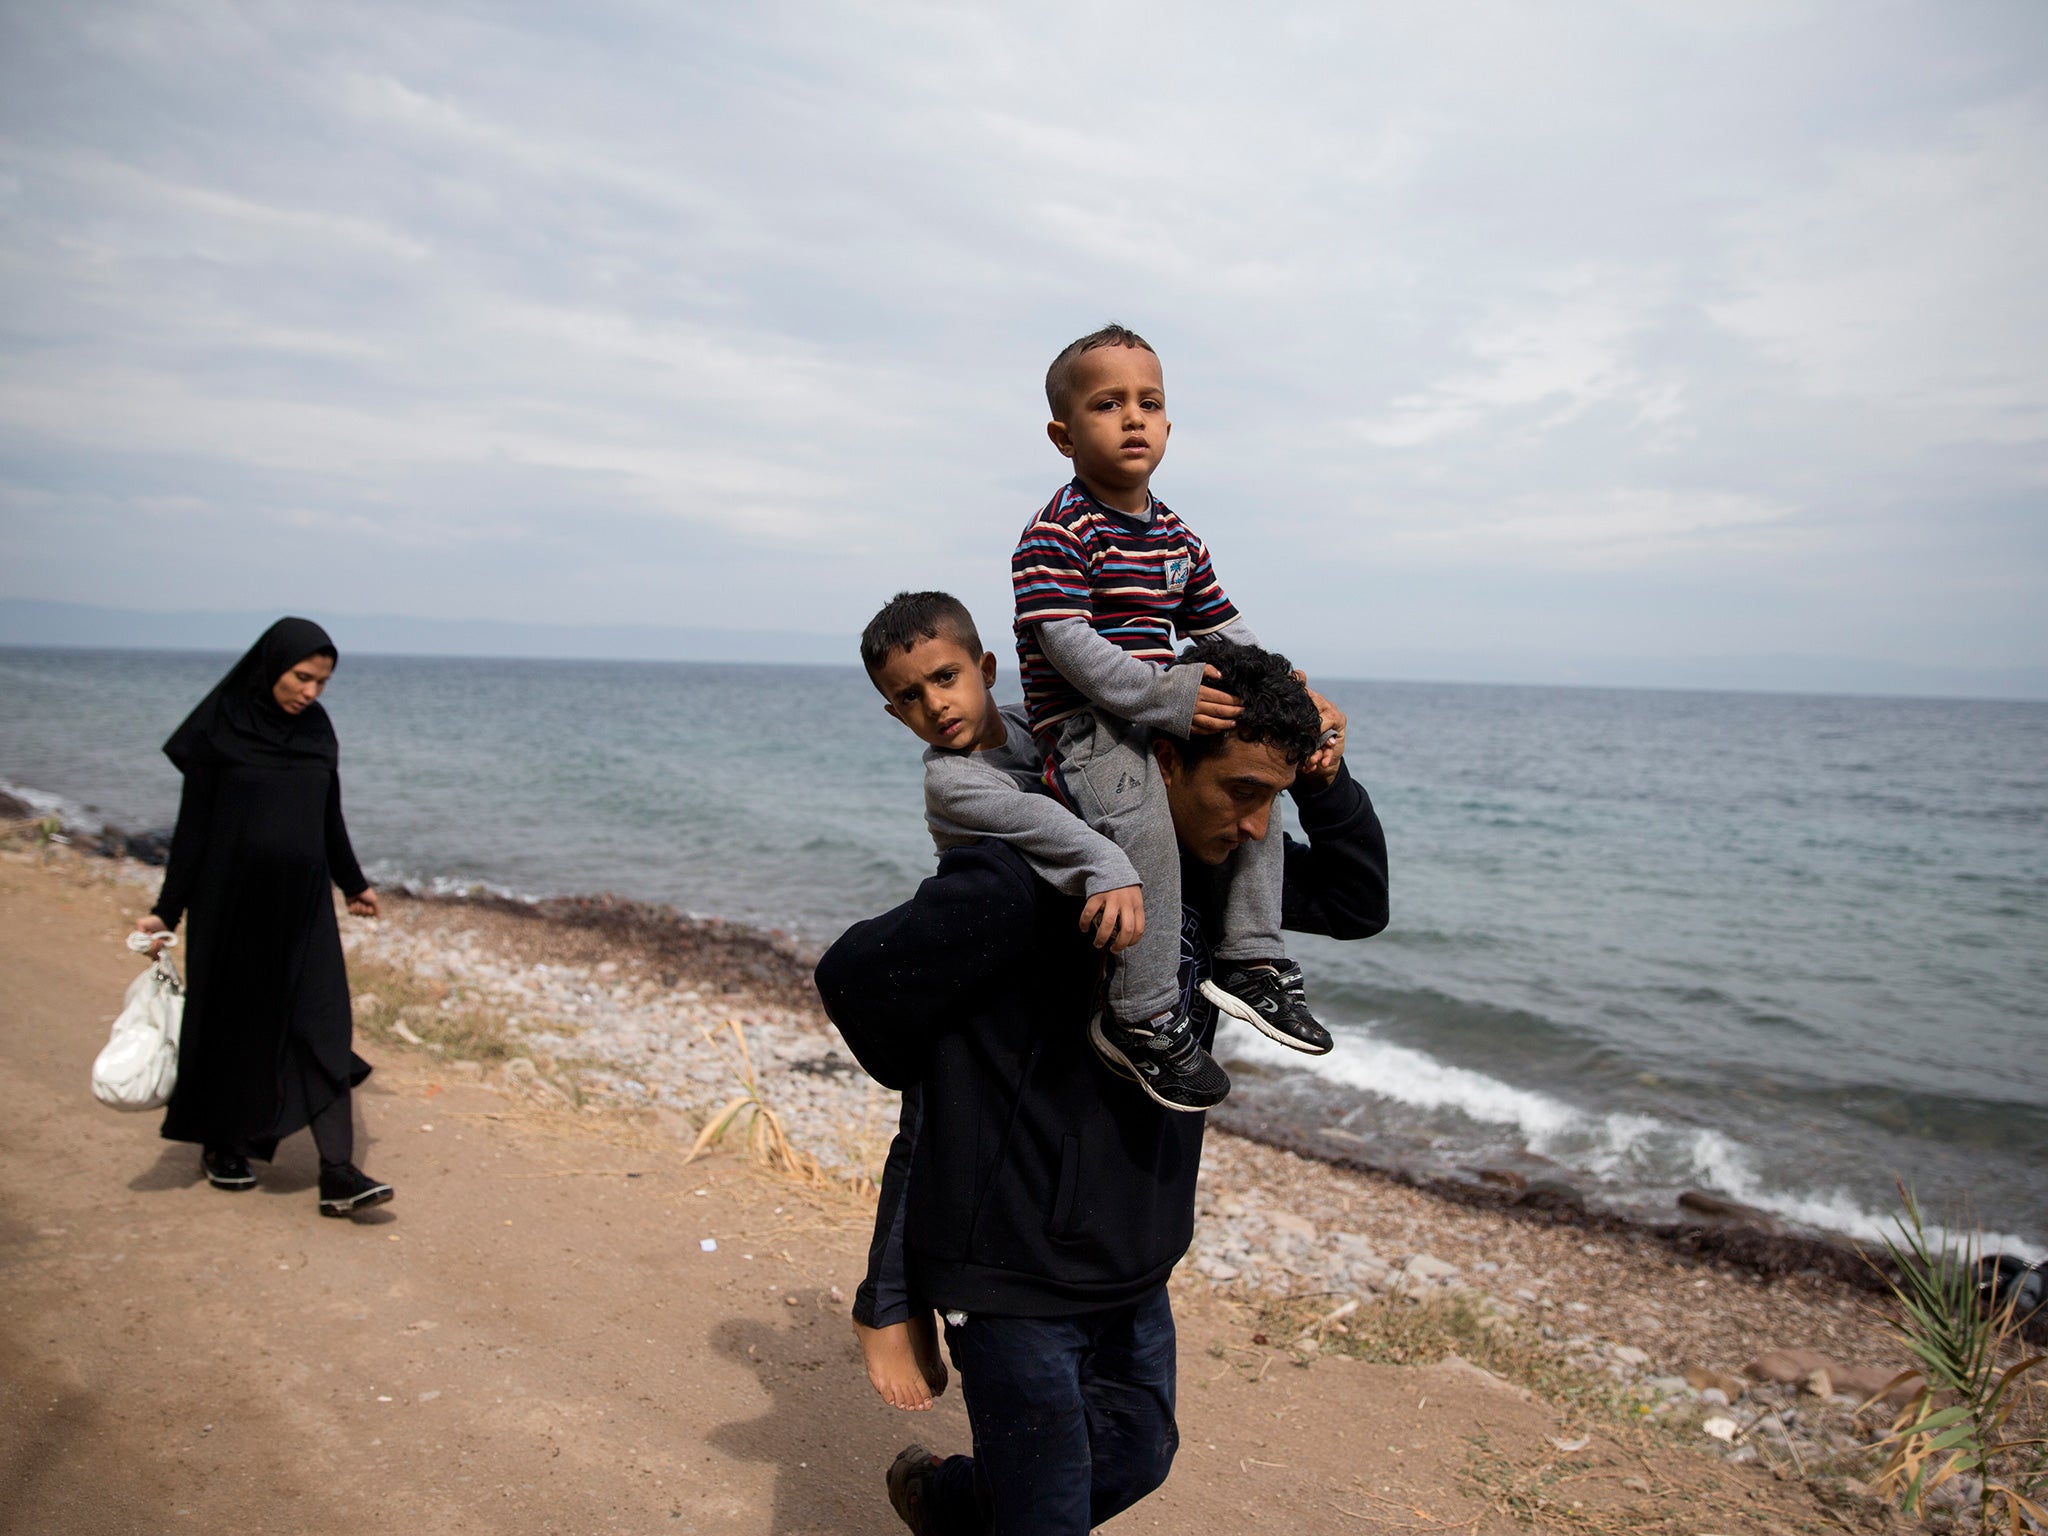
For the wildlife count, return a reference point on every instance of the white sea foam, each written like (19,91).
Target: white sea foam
(43,803)
(1630,1148)
(385,874)
(1727,1168)
(1410,1077)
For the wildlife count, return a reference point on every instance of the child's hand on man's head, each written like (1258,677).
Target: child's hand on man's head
(1215,710)
(1115,920)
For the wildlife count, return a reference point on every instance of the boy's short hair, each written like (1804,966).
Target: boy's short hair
(1277,708)
(909,617)
(1059,378)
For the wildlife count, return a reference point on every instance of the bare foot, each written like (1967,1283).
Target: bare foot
(924,1344)
(893,1368)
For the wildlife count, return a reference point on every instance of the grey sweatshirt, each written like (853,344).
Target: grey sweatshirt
(998,793)
(1120,684)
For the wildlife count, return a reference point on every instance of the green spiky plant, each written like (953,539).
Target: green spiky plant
(1977,1396)
(47,832)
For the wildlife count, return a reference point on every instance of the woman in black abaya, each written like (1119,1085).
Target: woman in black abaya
(265,1048)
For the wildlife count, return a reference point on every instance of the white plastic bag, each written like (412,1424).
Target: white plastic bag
(139,1065)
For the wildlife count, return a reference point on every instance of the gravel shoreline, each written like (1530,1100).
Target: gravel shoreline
(615,1006)
(630,1006)
(619,1004)
(776,971)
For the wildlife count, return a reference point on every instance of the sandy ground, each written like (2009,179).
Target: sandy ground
(532,1338)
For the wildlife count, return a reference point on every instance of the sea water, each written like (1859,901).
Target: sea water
(1790,949)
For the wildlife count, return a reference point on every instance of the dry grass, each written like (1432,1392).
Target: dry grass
(1624,1484)
(767,1141)
(1399,1332)
(395,1005)
(1617,1468)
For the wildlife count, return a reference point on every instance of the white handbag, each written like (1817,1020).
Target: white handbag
(139,1065)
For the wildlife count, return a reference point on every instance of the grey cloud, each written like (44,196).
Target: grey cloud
(609,313)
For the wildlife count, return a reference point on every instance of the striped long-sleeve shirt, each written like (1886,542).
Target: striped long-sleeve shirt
(1138,583)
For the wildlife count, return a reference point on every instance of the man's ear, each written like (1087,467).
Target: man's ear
(1062,439)
(988,669)
(1167,758)
(893,713)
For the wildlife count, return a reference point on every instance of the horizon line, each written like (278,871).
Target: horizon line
(1749,691)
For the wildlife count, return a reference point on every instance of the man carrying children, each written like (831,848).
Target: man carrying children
(1042,1188)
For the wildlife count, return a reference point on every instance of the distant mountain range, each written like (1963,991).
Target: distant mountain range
(33,622)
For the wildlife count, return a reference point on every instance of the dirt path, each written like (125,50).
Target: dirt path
(531,1338)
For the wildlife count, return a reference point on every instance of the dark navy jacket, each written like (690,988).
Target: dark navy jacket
(1043,1185)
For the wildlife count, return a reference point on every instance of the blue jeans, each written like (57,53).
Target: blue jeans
(1072,1420)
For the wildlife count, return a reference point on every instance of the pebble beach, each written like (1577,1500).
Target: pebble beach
(623,1014)
(611,1005)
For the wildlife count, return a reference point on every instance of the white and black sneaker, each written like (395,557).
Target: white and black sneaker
(1162,1057)
(347,1189)
(1270,998)
(225,1169)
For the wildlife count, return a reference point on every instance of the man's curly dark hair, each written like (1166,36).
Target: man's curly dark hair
(1277,708)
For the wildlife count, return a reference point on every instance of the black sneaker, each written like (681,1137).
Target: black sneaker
(1270,999)
(226,1170)
(1162,1057)
(910,1480)
(347,1189)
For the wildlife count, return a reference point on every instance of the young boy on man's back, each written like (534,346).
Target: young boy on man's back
(1104,576)
(982,778)
(982,771)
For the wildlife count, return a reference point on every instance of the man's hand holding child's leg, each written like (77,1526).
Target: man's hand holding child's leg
(1115,920)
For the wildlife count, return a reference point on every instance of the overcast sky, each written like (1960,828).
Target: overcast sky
(1492,333)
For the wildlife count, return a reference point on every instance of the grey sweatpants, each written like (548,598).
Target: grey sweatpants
(1107,767)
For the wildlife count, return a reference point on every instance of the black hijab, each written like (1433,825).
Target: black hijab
(240,722)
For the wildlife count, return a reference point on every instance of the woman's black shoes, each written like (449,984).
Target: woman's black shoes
(227,1170)
(347,1189)
(343,1191)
